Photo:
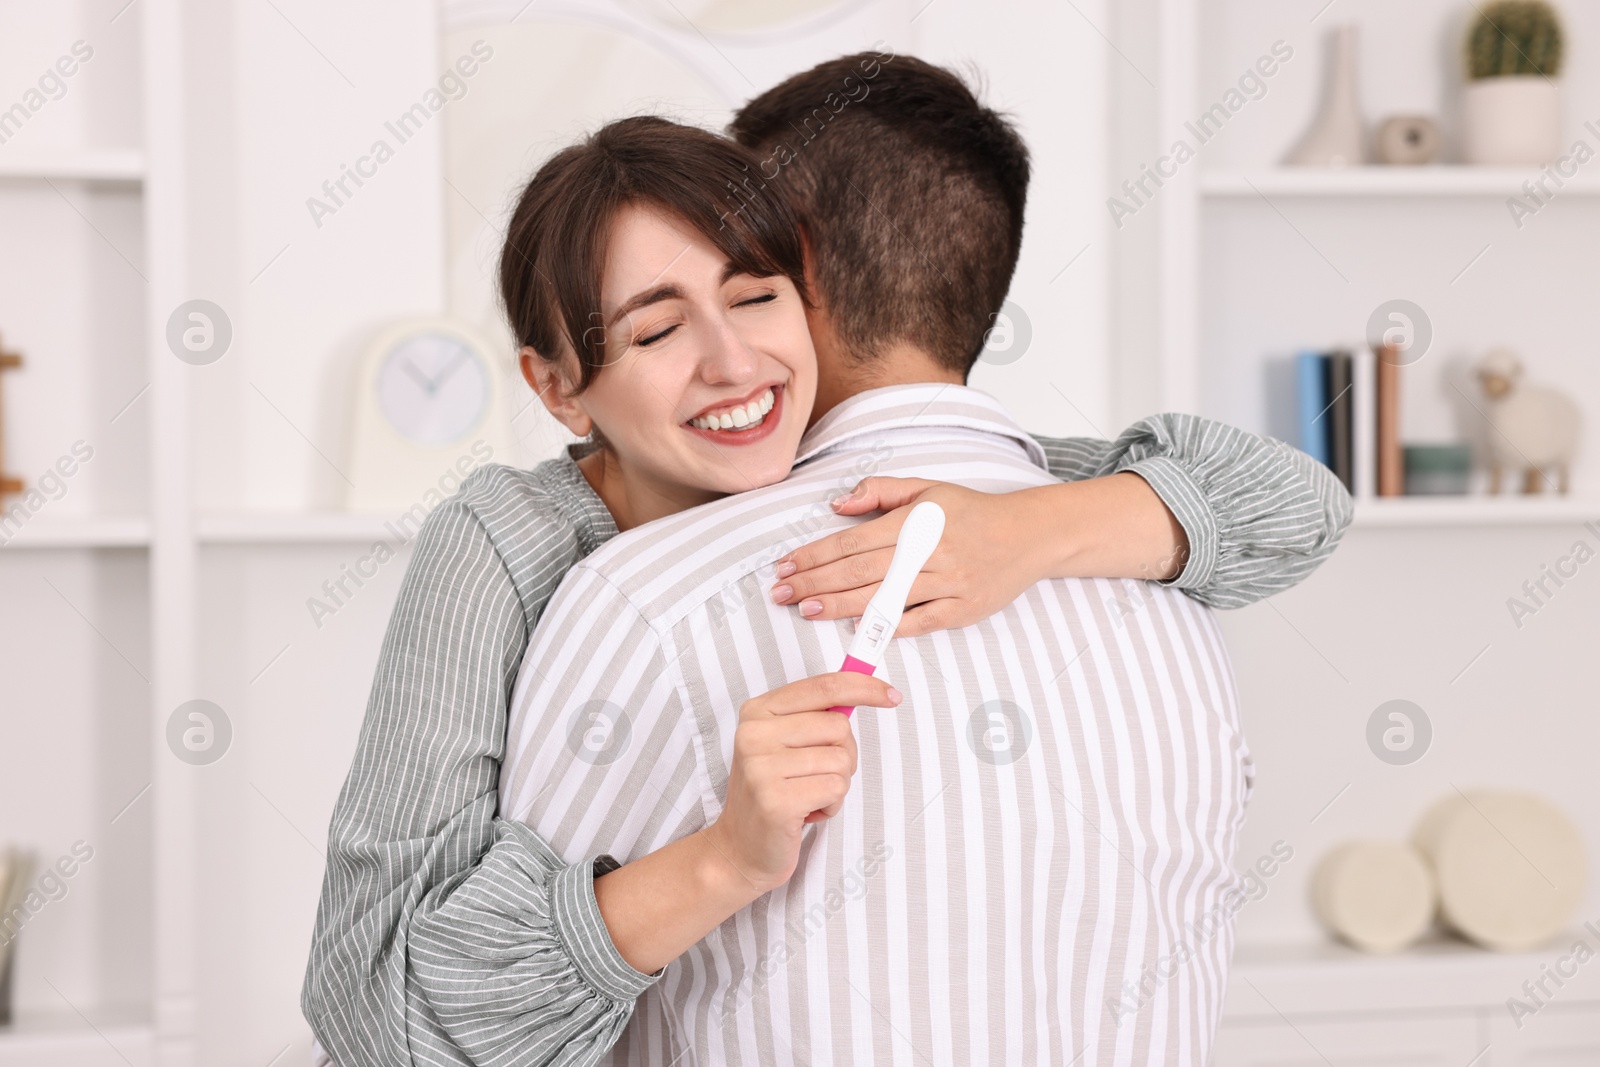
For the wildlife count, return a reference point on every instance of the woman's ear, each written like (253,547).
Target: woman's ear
(545,377)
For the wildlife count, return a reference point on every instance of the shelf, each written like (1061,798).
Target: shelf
(267,528)
(263,528)
(66,1040)
(1440,974)
(1475,511)
(90,165)
(78,531)
(1386,181)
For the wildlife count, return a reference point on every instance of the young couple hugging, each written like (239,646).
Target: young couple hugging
(599,811)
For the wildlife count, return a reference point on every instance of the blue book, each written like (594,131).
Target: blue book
(1311,401)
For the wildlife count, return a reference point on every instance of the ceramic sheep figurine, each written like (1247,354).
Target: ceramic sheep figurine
(1535,428)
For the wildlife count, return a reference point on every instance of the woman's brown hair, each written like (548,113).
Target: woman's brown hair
(554,255)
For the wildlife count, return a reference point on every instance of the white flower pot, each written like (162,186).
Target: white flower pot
(1514,120)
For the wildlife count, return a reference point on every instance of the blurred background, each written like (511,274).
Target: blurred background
(227,228)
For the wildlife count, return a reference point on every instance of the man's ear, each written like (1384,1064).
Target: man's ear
(545,377)
(809,262)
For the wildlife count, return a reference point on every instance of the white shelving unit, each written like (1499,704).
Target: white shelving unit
(92,165)
(1252,261)
(65,1040)
(90,531)
(1428,181)
(1440,1002)
(1471,511)
(154,953)
(1202,203)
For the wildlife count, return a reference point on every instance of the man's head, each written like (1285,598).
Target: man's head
(911,194)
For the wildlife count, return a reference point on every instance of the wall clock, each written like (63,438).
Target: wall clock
(430,405)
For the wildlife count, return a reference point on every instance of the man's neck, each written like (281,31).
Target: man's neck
(840,376)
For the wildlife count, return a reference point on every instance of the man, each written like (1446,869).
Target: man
(1034,863)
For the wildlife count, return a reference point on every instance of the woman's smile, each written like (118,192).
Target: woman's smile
(743,421)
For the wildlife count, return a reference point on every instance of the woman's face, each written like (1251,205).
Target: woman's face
(709,376)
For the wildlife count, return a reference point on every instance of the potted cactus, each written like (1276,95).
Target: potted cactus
(1511,108)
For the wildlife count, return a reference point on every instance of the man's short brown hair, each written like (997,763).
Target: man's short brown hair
(912,195)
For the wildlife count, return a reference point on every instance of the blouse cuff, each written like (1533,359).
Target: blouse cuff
(1179,491)
(583,931)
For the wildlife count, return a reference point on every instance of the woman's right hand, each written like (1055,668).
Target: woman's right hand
(792,764)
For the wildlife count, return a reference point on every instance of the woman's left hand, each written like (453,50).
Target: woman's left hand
(991,551)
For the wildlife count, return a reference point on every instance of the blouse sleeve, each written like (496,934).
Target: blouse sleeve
(1260,515)
(446,935)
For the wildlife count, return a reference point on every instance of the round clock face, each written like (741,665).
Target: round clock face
(433,388)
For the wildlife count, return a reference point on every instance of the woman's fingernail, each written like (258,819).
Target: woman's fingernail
(787,567)
(894,696)
(810,607)
(839,501)
(782,593)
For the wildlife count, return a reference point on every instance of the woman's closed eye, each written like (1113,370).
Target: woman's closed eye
(649,339)
(651,336)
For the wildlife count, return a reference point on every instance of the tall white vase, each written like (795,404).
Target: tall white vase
(1337,138)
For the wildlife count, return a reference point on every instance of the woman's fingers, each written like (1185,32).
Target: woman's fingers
(823,691)
(822,794)
(802,763)
(806,728)
(865,537)
(882,493)
(851,572)
(944,613)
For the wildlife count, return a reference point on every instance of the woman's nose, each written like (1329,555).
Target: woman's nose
(727,359)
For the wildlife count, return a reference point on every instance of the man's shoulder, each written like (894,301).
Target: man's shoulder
(668,566)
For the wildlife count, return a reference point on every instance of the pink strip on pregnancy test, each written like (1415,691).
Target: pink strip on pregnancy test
(918,538)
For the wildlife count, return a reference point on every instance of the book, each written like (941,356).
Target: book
(1339,417)
(1311,398)
(1364,423)
(1391,468)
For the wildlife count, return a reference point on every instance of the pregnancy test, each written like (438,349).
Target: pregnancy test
(918,538)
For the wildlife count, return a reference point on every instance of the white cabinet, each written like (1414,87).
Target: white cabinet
(1442,1003)
(1557,1036)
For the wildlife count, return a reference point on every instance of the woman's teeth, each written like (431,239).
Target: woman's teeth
(740,418)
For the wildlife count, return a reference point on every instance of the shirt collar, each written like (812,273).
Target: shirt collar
(922,405)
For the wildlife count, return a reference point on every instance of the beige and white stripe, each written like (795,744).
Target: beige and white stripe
(1038,841)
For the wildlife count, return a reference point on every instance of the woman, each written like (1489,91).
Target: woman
(632,287)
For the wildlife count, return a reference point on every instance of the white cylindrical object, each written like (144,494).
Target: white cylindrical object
(1337,137)
(1511,121)
(1376,895)
(1510,867)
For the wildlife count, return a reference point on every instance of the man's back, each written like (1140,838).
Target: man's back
(1033,863)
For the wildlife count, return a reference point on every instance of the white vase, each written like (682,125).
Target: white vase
(1337,137)
(1513,120)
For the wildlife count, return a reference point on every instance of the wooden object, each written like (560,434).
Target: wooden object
(1377,895)
(1391,467)
(1510,867)
(8,484)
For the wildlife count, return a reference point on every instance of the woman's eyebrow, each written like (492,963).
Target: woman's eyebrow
(644,299)
(662,292)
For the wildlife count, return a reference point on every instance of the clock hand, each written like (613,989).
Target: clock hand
(420,378)
(454,365)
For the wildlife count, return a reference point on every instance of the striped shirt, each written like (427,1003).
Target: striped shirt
(1034,862)
(448,935)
